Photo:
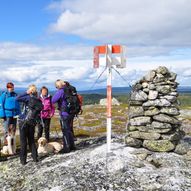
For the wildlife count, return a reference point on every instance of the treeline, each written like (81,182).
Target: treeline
(89,99)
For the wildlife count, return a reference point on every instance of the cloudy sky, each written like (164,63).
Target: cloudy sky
(45,40)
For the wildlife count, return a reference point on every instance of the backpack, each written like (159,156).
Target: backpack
(9,106)
(34,108)
(80,99)
(73,102)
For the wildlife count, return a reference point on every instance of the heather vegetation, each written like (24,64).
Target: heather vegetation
(93,120)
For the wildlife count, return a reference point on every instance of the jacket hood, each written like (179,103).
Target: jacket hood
(10,93)
(44,97)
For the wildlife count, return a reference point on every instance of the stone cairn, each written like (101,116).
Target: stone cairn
(153,111)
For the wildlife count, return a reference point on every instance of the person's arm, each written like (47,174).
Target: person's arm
(23,97)
(57,96)
(52,110)
(52,107)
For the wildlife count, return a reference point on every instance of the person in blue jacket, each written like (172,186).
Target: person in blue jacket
(9,110)
(59,98)
(27,130)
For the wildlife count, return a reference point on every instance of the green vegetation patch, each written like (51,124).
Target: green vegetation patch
(92,123)
(185,100)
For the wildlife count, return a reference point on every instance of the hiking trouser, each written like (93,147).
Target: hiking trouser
(72,123)
(9,124)
(27,136)
(45,124)
(68,139)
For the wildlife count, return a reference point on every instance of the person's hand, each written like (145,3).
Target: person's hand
(29,91)
(81,111)
(51,115)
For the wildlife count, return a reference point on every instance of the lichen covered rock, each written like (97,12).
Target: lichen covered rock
(159,145)
(144,135)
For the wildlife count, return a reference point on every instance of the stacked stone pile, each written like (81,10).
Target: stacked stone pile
(153,111)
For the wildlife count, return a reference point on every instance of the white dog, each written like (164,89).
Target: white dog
(10,149)
(4,150)
(45,148)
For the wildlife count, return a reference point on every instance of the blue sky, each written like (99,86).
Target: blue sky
(43,40)
(23,21)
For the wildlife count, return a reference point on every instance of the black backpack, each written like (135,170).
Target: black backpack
(73,104)
(34,108)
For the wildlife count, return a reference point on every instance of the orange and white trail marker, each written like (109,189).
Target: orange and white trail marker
(114,56)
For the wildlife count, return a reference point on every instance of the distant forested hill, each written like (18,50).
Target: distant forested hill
(126,90)
(121,94)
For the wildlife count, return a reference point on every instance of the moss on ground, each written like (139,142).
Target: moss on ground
(89,133)
(92,123)
(81,133)
(118,122)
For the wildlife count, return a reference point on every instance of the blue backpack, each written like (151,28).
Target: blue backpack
(9,106)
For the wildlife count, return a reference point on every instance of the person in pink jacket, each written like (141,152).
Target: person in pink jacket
(46,114)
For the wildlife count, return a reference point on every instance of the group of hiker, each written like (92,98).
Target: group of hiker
(30,109)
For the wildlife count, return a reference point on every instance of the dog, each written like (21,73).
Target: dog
(45,148)
(4,150)
(10,149)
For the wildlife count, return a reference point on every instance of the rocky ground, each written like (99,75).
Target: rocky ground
(90,168)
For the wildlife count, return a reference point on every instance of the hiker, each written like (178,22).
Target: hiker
(32,107)
(75,101)
(9,109)
(46,114)
(60,99)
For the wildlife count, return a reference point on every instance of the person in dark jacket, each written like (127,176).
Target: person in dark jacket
(27,130)
(59,98)
(46,114)
(75,113)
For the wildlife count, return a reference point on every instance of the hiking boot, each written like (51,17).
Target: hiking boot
(35,160)
(65,150)
(23,163)
(73,148)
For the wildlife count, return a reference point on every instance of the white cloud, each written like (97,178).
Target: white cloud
(24,51)
(25,64)
(81,74)
(69,19)
(44,72)
(164,22)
